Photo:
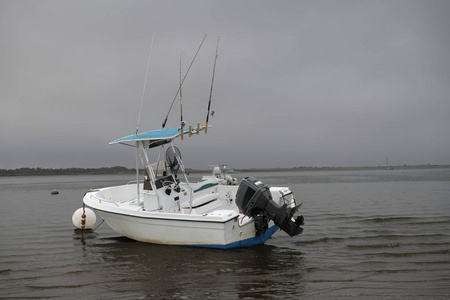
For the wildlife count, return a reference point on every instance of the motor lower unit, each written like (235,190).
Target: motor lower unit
(255,200)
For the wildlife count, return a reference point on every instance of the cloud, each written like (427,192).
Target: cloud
(311,83)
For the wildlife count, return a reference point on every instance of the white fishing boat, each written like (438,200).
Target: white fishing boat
(163,207)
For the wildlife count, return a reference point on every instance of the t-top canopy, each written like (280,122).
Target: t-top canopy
(154,135)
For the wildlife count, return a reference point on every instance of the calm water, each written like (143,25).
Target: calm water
(368,235)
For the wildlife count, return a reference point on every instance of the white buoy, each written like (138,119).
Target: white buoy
(89,219)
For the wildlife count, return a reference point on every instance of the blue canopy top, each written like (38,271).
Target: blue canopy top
(154,135)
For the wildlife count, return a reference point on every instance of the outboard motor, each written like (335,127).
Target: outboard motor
(255,200)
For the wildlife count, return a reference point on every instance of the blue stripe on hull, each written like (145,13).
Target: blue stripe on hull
(256,240)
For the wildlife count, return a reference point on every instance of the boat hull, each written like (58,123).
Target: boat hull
(228,233)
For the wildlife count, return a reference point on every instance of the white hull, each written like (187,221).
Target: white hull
(220,225)
(181,232)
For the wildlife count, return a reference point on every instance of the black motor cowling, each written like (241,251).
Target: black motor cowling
(255,200)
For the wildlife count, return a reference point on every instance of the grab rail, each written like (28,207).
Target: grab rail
(241,221)
(134,181)
(106,200)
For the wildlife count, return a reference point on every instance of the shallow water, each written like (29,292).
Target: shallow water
(378,234)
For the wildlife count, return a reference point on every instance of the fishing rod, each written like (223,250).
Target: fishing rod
(145,83)
(181,106)
(212,83)
(179,89)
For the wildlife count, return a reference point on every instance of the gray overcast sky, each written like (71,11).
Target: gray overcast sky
(298,83)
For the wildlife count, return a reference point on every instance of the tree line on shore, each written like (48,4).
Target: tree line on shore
(65,171)
(124,170)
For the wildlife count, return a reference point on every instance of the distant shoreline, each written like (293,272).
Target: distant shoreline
(124,170)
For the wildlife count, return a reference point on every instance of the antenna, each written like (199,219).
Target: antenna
(179,89)
(212,83)
(145,83)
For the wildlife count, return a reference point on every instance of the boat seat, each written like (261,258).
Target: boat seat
(200,201)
